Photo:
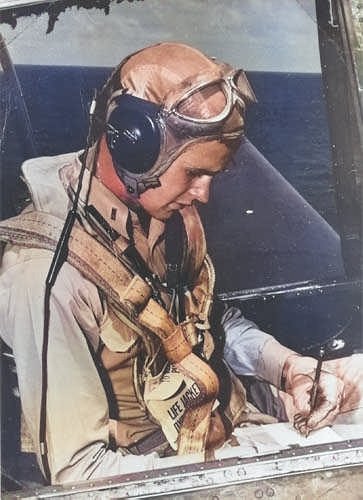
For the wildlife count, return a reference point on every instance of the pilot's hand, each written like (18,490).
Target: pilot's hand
(299,373)
(350,370)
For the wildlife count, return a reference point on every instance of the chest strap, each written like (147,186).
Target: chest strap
(130,297)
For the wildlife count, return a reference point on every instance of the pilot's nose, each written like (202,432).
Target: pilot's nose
(200,188)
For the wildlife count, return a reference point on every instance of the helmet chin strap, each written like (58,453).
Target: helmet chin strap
(135,187)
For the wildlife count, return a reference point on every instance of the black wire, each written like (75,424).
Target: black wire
(174,251)
(43,401)
(59,257)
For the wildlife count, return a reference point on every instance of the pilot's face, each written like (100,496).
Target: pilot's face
(187,180)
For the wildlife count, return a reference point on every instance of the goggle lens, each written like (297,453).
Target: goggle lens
(204,103)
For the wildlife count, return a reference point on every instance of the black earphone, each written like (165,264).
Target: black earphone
(133,135)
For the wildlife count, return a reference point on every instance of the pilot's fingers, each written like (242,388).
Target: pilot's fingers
(328,402)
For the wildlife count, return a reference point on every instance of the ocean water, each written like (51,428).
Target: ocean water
(288,124)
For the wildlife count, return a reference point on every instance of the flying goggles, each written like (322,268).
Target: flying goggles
(145,138)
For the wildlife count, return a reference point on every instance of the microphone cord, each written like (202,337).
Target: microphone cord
(59,257)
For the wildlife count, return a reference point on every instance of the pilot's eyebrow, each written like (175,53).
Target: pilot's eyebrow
(202,171)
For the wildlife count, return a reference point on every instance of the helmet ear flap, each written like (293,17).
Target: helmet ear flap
(133,135)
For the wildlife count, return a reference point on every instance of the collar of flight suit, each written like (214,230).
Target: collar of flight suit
(112,210)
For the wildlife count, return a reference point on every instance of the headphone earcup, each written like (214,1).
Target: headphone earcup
(132,134)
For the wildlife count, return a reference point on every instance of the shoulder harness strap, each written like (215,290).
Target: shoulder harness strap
(132,298)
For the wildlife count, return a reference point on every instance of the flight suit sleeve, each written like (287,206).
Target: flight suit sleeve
(250,351)
(77,407)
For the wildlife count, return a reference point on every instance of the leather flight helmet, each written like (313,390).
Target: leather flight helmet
(161,99)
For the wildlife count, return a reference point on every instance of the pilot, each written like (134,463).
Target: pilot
(121,350)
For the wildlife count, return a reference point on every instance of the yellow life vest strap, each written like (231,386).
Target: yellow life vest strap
(130,296)
(196,423)
(126,291)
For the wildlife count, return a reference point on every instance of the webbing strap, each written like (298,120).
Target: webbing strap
(126,291)
(196,423)
(130,296)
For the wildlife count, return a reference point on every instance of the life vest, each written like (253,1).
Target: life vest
(181,393)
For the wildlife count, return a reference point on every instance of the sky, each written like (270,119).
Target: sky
(258,35)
